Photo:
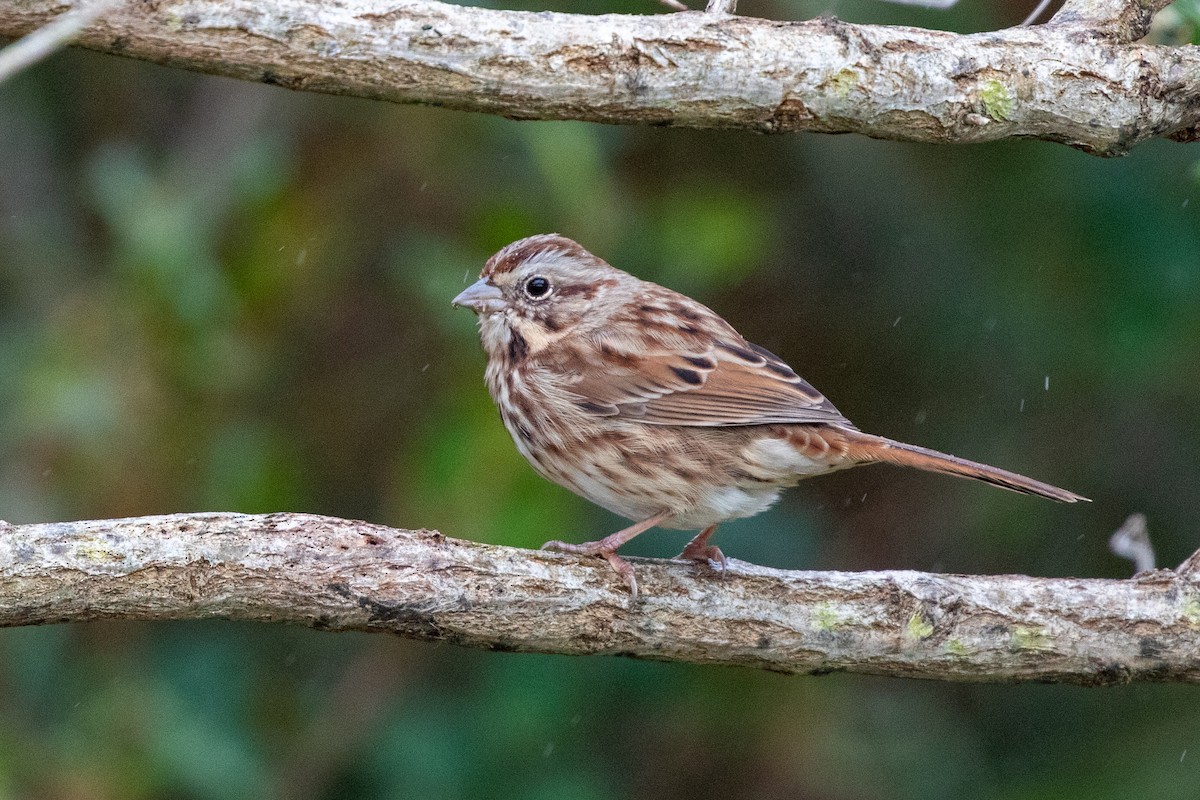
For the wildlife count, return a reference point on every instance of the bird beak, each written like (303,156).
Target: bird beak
(481,297)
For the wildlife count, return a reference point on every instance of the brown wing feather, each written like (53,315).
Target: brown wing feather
(744,387)
(689,367)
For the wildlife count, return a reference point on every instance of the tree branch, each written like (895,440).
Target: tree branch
(1079,79)
(334,574)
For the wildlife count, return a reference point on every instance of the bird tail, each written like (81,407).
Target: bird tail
(867,448)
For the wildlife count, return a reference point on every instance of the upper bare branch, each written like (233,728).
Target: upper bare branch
(340,575)
(1078,79)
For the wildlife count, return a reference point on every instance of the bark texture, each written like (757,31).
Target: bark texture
(1080,79)
(335,574)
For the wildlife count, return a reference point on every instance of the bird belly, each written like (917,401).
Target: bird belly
(723,503)
(646,490)
(638,473)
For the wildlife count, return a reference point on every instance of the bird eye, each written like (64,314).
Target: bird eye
(537,286)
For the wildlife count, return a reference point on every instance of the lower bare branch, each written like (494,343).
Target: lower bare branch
(337,575)
(1080,79)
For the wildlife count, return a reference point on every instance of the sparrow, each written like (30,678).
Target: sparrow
(650,405)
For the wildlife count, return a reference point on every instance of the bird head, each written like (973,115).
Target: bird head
(537,290)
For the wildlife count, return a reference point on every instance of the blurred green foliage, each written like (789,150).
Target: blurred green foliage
(217,295)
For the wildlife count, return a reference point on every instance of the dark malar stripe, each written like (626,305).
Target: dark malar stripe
(518,348)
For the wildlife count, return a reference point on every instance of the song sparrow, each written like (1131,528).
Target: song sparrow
(649,404)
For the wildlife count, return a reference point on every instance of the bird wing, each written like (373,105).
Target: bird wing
(709,381)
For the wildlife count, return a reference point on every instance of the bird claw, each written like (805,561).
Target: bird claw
(625,570)
(620,566)
(700,551)
(567,547)
(709,555)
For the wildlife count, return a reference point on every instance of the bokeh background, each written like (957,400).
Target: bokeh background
(225,296)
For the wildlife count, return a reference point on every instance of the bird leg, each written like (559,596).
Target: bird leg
(606,548)
(701,551)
